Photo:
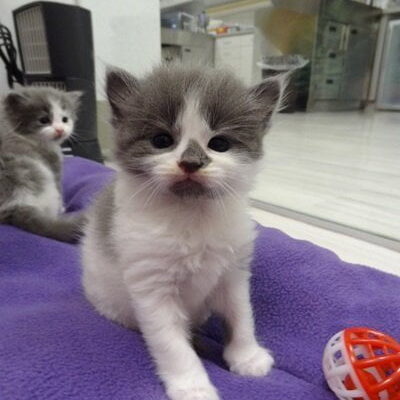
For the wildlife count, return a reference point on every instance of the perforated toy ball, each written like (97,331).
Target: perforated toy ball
(363,364)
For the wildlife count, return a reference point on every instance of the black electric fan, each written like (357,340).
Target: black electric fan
(56,49)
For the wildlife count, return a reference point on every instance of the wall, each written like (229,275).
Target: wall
(126,34)
(217,8)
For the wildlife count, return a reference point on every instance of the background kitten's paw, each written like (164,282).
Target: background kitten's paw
(250,361)
(193,393)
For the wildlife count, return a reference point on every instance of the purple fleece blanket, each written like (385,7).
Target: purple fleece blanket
(53,345)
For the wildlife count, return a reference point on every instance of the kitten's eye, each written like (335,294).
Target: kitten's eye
(162,141)
(65,119)
(219,143)
(44,120)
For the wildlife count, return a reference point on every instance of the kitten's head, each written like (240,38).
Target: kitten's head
(191,132)
(42,113)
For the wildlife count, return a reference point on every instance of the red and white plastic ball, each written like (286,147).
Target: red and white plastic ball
(363,364)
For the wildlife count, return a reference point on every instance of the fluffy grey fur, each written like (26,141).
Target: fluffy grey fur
(28,158)
(142,108)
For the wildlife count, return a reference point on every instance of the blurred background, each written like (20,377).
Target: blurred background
(333,155)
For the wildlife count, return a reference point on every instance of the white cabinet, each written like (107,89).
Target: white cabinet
(236,52)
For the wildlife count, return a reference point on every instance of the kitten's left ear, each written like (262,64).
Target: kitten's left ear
(73,99)
(268,94)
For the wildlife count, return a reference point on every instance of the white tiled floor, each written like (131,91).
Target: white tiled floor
(343,167)
(347,248)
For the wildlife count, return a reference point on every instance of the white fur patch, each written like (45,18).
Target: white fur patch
(192,124)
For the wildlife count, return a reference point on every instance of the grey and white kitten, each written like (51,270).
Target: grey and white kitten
(170,241)
(33,124)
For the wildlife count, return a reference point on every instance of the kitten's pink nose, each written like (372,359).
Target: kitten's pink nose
(59,132)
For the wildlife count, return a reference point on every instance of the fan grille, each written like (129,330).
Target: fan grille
(34,49)
(54,84)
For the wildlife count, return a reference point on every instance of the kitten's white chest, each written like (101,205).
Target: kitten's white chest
(48,201)
(200,281)
(185,263)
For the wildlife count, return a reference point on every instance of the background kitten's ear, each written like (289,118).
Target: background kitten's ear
(15,101)
(74,98)
(269,94)
(120,87)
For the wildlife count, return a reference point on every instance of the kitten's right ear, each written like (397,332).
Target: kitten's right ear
(269,93)
(15,101)
(120,87)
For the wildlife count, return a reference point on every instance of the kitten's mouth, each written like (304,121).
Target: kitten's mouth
(189,187)
(58,135)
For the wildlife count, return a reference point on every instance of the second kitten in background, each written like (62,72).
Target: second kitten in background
(33,124)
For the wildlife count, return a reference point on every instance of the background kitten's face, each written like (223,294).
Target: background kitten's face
(44,113)
(191,132)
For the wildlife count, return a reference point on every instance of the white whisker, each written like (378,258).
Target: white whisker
(142,187)
(155,190)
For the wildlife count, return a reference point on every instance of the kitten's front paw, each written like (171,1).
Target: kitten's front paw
(204,392)
(249,361)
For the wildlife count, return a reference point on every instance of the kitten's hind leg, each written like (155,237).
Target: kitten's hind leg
(65,228)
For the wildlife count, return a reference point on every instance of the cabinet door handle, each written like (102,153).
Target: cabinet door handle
(342,39)
(347,39)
